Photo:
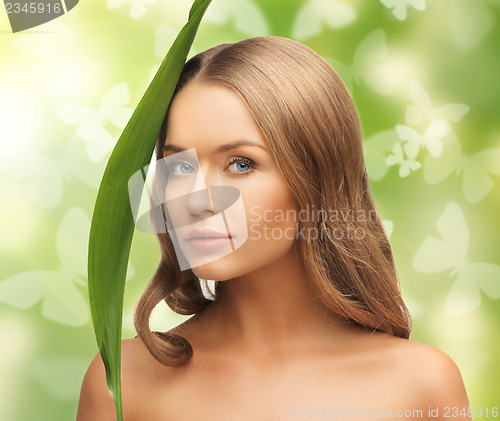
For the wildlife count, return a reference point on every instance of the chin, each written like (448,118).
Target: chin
(214,271)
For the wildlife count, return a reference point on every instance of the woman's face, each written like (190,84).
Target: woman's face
(221,233)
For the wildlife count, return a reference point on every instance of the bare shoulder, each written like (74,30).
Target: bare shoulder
(428,374)
(437,375)
(95,401)
(137,367)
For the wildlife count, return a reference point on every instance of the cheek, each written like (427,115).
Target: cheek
(272,215)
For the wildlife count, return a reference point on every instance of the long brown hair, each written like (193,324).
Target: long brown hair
(310,122)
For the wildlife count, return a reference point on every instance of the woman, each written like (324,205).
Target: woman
(307,317)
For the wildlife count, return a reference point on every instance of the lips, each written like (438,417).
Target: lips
(208,240)
(206,234)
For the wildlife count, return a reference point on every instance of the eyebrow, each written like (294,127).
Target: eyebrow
(220,149)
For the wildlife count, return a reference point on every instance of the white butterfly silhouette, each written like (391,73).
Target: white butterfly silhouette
(468,23)
(100,142)
(368,65)
(423,108)
(63,301)
(432,139)
(406,166)
(137,7)
(43,46)
(314,13)
(376,148)
(450,253)
(248,18)
(46,176)
(475,169)
(399,7)
(90,122)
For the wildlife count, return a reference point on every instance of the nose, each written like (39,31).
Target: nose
(199,202)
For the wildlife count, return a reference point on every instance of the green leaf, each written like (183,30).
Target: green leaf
(112,222)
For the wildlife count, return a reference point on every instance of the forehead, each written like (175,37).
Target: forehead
(201,112)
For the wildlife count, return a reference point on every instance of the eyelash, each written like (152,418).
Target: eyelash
(248,161)
(234,159)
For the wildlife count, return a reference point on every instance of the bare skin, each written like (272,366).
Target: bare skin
(265,350)
(255,359)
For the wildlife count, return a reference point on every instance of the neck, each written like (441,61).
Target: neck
(271,311)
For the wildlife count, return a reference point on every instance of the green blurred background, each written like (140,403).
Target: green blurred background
(425,78)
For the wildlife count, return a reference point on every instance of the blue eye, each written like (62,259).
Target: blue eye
(239,165)
(242,166)
(179,168)
(185,168)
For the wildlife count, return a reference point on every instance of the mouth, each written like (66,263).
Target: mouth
(208,240)
(206,234)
